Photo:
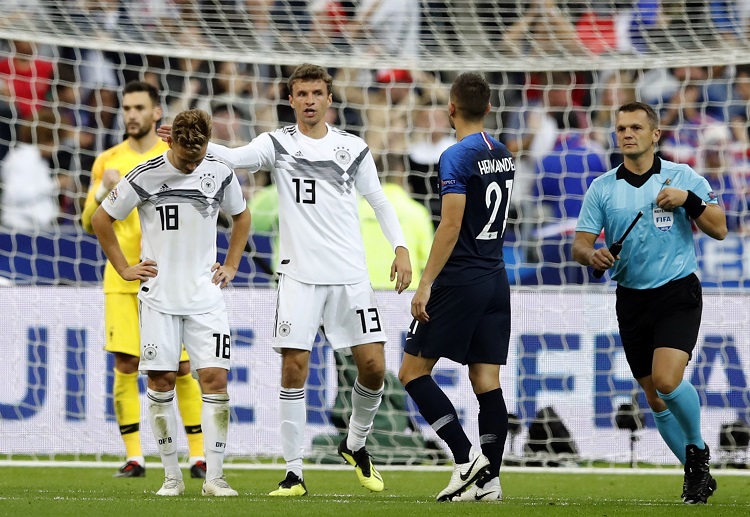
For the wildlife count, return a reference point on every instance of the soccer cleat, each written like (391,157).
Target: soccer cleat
(198,470)
(218,487)
(291,486)
(490,491)
(132,469)
(365,470)
(698,485)
(464,474)
(172,487)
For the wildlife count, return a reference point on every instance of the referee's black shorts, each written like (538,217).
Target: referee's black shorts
(668,316)
(468,324)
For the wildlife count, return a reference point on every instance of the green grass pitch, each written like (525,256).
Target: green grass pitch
(64,491)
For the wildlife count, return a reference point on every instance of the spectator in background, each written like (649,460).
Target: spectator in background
(614,89)
(387,28)
(386,105)
(329,22)
(726,171)
(6,121)
(28,185)
(27,78)
(531,132)
(683,117)
(415,220)
(543,30)
(430,137)
(564,175)
(562,178)
(738,107)
(229,125)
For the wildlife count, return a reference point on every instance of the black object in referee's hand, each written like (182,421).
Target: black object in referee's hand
(616,247)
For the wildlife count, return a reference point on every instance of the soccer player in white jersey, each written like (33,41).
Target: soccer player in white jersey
(178,196)
(323,275)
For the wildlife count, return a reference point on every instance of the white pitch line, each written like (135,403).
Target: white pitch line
(421,468)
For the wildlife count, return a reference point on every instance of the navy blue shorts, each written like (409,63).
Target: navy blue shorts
(468,324)
(668,316)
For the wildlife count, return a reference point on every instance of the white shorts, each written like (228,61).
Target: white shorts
(348,315)
(205,336)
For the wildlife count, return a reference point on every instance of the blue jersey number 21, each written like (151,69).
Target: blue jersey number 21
(486,234)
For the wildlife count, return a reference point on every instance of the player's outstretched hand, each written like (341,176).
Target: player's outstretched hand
(419,303)
(401,269)
(141,271)
(223,274)
(164,131)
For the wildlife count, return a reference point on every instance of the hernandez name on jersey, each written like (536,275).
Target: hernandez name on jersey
(178,215)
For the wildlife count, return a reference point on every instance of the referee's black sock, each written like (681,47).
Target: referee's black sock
(439,412)
(493,427)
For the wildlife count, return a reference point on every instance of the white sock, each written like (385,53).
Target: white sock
(365,404)
(163,418)
(215,423)
(293,417)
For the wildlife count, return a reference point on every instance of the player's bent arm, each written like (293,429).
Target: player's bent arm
(223,274)
(401,269)
(103,182)
(713,222)
(101,223)
(585,254)
(446,236)
(387,218)
(238,238)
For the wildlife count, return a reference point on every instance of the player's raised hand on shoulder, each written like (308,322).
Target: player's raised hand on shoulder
(141,271)
(165,132)
(401,269)
(419,303)
(223,274)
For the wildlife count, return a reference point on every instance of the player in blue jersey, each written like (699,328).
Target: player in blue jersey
(461,308)
(659,298)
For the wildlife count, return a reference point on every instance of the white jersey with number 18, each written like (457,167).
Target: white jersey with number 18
(320,240)
(178,215)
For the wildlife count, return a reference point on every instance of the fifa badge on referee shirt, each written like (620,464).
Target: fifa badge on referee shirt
(663,219)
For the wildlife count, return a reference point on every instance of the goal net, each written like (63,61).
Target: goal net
(557,70)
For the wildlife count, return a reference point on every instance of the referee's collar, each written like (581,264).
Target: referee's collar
(638,179)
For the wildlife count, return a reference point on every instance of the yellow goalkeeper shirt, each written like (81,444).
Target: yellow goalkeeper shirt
(123,158)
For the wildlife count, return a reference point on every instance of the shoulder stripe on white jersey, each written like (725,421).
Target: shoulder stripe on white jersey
(153,163)
(213,158)
(341,132)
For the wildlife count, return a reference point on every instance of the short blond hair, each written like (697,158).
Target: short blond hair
(191,129)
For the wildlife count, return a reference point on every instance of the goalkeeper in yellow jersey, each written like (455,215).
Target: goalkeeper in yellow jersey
(141,112)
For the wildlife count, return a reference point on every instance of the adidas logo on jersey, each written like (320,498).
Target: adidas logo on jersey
(163,187)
